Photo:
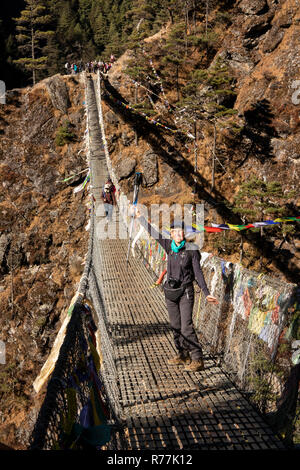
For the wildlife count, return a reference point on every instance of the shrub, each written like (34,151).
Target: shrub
(64,134)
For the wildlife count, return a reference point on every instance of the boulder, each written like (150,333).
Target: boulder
(253,7)
(150,170)
(169,186)
(77,219)
(273,39)
(58,93)
(125,167)
(111,118)
(127,138)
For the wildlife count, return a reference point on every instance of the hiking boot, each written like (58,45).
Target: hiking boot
(195,366)
(179,360)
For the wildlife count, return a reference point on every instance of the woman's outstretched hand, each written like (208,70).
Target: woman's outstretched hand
(211,299)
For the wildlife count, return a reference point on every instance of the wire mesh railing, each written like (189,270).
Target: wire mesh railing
(76,412)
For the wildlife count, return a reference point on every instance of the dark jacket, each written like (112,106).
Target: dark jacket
(184,265)
(108,197)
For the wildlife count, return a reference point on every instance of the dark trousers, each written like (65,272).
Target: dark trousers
(180,314)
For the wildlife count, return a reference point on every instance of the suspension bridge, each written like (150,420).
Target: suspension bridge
(148,404)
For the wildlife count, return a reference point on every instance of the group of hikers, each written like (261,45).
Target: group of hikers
(90,67)
(183,268)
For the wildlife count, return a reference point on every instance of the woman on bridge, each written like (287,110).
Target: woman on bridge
(183,268)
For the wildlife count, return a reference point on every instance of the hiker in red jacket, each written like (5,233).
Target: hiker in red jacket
(109,199)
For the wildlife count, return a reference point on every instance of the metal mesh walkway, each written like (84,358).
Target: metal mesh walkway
(164,406)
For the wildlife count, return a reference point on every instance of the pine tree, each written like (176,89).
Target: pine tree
(210,96)
(258,199)
(174,51)
(66,24)
(218,95)
(171,9)
(99,25)
(113,45)
(31,26)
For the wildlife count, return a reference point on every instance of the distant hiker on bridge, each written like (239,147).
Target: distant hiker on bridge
(111,185)
(100,65)
(183,268)
(109,199)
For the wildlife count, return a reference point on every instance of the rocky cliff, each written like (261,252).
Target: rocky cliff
(261,49)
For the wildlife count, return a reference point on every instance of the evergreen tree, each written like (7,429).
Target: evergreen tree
(66,23)
(171,10)
(99,26)
(113,44)
(31,26)
(210,96)
(258,199)
(174,51)
(214,90)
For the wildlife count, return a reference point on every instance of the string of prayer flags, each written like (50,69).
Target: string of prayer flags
(238,228)
(153,121)
(77,174)
(83,184)
(166,102)
(217,228)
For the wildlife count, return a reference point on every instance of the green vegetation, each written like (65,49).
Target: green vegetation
(32,32)
(210,92)
(75,30)
(175,52)
(258,200)
(64,134)
(262,374)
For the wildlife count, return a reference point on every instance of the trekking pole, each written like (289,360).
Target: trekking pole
(137,183)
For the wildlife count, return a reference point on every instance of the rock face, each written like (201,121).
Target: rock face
(150,168)
(253,7)
(58,92)
(125,167)
(41,233)
(273,39)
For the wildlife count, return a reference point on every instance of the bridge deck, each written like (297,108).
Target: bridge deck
(164,406)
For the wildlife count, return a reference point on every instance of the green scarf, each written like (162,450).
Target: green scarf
(176,248)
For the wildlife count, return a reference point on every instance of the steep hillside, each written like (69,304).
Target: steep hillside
(259,45)
(42,242)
